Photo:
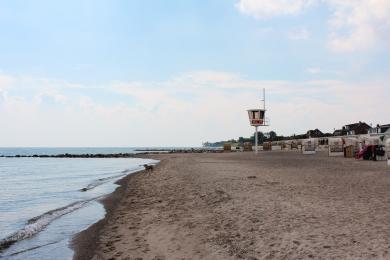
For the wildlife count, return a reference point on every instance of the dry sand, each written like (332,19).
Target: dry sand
(276,205)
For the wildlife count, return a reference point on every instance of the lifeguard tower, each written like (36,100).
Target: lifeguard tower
(257,118)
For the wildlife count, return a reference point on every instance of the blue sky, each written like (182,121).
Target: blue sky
(74,71)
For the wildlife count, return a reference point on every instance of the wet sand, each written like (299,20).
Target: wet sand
(276,205)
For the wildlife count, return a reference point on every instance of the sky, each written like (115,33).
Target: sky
(179,73)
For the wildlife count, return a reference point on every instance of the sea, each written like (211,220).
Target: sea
(44,202)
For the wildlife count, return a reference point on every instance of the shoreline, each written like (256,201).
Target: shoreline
(135,154)
(71,208)
(84,243)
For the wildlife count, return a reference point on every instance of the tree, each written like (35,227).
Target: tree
(260,138)
(272,135)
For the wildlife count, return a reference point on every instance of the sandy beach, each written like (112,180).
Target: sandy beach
(276,205)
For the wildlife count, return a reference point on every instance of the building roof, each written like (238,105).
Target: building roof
(356,125)
(315,133)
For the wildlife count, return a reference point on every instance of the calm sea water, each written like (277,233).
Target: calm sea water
(42,205)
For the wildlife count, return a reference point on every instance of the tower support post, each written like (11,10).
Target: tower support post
(256,141)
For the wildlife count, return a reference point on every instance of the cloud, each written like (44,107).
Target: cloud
(5,81)
(358,25)
(269,8)
(354,25)
(187,109)
(51,94)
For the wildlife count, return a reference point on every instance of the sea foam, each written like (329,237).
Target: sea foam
(37,224)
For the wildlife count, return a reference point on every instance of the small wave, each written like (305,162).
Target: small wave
(102,181)
(37,224)
(33,248)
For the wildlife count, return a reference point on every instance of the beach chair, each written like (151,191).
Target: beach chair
(309,146)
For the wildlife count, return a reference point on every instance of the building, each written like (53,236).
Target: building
(380,129)
(339,132)
(360,128)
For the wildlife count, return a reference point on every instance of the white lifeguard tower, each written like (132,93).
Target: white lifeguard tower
(257,118)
